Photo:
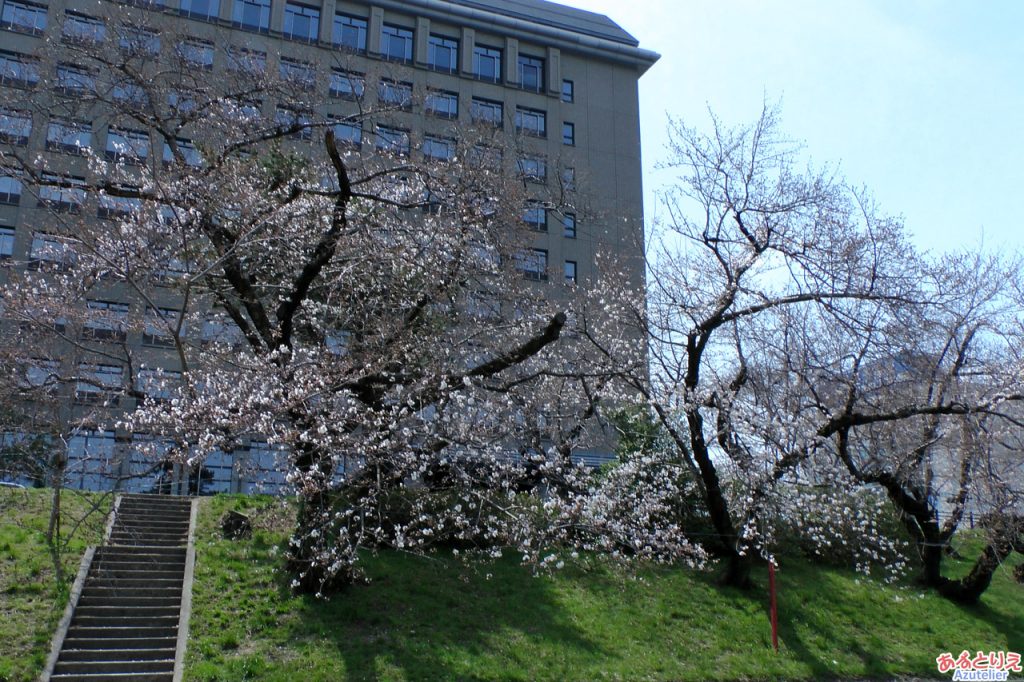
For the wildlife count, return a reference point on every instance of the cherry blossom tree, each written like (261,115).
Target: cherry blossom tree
(310,279)
(780,301)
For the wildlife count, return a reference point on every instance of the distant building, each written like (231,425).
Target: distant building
(564,79)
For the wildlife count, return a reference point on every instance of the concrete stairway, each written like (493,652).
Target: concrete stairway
(125,624)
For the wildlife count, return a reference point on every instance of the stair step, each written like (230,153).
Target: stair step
(176,565)
(107,599)
(126,551)
(106,667)
(116,655)
(113,677)
(162,592)
(125,622)
(135,578)
(122,633)
(149,540)
(90,611)
(119,643)
(131,583)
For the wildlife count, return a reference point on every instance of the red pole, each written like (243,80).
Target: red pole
(773,608)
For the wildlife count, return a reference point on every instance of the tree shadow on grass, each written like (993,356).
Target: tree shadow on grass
(439,619)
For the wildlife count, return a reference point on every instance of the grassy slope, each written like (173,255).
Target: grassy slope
(31,601)
(438,619)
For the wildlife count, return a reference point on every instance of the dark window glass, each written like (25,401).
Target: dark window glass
(536,217)
(249,61)
(569,134)
(301,73)
(129,146)
(73,80)
(568,91)
(533,263)
(531,122)
(569,226)
(347,84)
(531,73)
(487,111)
(196,53)
(10,190)
(393,140)
(438,148)
(73,137)
(443,54)
(15,127)
(139,41)
(348,133)
(570,271)
(301,22)
(6,242)
(80,28)
(442,104)
(252,15)
(206,10)
(394,94)
(396,43)
(17,70)
(349,32)
(24,17)
(487,63)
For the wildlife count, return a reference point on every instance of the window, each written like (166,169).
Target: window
(569,134)
(159,326)
(568,91)
(72,137)
(301,73)
(116,207)
(130,93)
(189,154)
(99,384)
(569,226)
(196,53)
(242,110)
(443,53)
(42,373)
(442,104)
(252,15)
(139,41)
(6,243)
(396,43)
(301,22)
(79,28)
(24,17)
(204,10)
(394,94)
(74,80)
(91,460)
(296,122)
(531,73)
(531,122)
(487,63)
(66,194)
(10,189)
(347,84)
(157,384)
(438,148)
(348,133)
(533,169)
(393,140)
(218,328)
(15,127)
(349,32)
(181,102)
(17,70)
(487,111)
(533,263)
(536,217)
(568,179)
(570,271)
(48,252)
(107,321)
(129,146)
(482,156)
(249,61)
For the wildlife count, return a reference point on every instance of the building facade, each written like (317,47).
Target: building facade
(564,80)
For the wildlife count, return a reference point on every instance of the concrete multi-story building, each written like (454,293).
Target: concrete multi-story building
(564,79)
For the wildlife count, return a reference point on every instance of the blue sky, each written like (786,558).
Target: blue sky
(920,101)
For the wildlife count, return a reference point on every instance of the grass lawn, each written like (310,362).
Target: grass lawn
(436,619)
(31,600)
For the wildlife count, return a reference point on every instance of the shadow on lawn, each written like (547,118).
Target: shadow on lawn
(409,618)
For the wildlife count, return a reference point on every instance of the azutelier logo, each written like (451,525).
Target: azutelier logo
(981,667)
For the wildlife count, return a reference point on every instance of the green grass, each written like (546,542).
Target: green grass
(31,599)
(437,619)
